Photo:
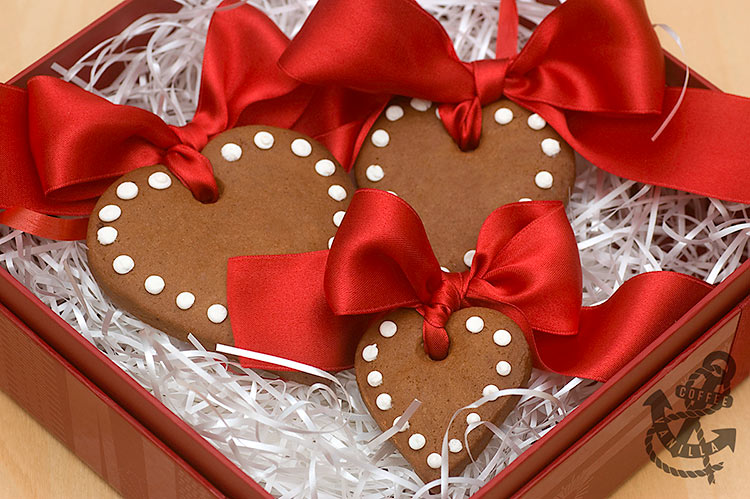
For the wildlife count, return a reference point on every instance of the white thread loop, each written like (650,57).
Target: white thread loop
(673,34)
(403,420)
(508,392)
(282,362)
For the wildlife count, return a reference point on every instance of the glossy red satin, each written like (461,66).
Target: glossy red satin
(312,307)
(593,69)
(61,146)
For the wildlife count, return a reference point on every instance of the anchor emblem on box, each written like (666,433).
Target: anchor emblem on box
(705,392)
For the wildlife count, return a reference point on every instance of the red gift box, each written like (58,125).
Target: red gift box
(142,449)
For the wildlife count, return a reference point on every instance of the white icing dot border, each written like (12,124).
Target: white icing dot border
(159,180)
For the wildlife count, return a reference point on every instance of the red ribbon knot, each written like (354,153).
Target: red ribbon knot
(448,298)
(464,120)
(191,167)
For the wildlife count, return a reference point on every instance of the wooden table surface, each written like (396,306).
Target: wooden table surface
(33,464)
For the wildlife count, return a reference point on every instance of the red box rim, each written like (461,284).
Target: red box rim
(176,434)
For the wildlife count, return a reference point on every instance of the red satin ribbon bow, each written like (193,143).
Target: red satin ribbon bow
(61,146)
(593,69)
(313,307)
(526,265)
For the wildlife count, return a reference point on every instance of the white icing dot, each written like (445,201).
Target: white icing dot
(503,116)
(455,445)
(417,441)
(536,122)
(374,378)
(551,147)
(185,300)
(388,329)
(445,269)
(434,460)
(375,173)
(384,401)
(330,242)
(123,264)
(159,181)
(544,180)
(489,390)
(406,426)
(501,338)
(370,352)
(503,368)
(475,324)
(263,140)
(437,112)
(154,284)
(127,190)
(394,113)
(110,213)
(217,313)
(301,148)
(380,138)
(106,235)
(469,257)
(231,151)
(338,217)
(420,104)
(473,418)
(325,167)
(524,200)
(391,192)
(337,192)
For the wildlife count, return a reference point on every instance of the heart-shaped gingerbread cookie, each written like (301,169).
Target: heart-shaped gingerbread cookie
(162,255)
(488,352)
(409,153)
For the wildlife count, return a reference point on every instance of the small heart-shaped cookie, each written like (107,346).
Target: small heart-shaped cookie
(488,352)
(162,255)
(409,153)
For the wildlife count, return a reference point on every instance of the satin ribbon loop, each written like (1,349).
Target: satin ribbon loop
(194,170)
(489,78)
(192,134)
(463,121)
(448,298)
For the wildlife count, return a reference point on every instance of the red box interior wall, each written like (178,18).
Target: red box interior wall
(215,467)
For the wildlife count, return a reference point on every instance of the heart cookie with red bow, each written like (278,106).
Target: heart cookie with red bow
(162,255)
(488,352)
(409,153)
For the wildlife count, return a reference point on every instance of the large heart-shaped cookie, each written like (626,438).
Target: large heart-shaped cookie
(409,153)
(162,255)
(488,351)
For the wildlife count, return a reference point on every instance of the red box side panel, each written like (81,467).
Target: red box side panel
(86,421)
(611,452)
(109,24)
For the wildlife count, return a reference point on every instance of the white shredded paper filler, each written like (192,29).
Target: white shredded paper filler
(312,441)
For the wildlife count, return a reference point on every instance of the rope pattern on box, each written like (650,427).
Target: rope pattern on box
(709,469)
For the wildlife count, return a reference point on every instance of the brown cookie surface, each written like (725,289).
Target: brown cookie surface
(409,153)
(488,351)
(162,255)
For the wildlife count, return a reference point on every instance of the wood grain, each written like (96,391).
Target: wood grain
(34,464)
